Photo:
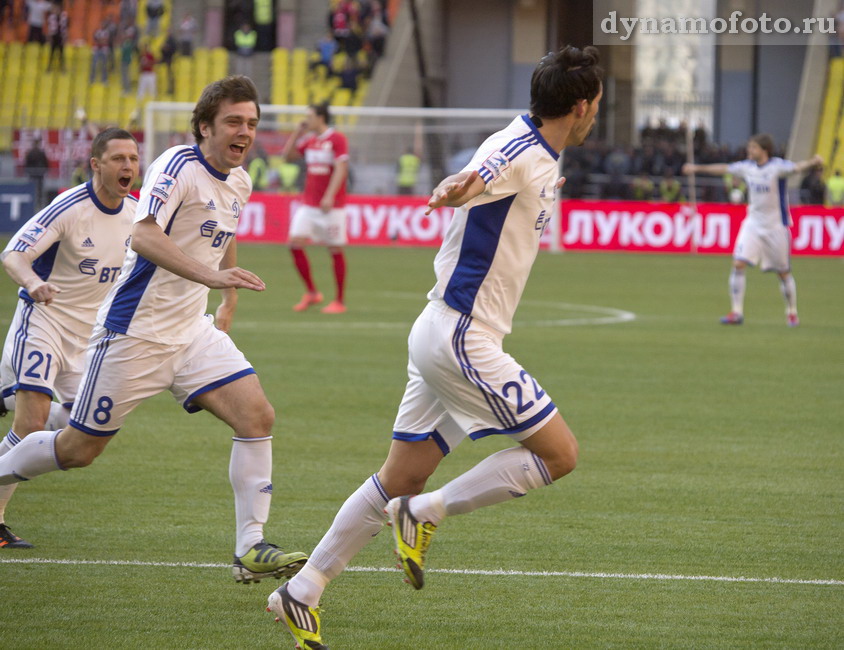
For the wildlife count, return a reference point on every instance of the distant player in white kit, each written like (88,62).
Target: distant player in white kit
(764,239)
(152,334)
(461,382)
(65,260)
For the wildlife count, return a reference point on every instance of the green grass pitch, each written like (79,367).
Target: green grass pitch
(706,451)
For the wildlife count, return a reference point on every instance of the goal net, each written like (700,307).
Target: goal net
(444,139)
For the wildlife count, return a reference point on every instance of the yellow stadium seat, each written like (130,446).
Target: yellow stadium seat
(219,62)
(832,119)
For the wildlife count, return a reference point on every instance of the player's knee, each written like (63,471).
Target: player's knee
(563,461)
(259,419)
(77,455)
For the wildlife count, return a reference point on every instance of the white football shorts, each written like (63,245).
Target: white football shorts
(41,356)
(122,371)
(328,229)
(461,382)
(769,249)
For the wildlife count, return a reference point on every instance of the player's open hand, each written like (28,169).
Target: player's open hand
(235,278)
(451,193)
(43,292)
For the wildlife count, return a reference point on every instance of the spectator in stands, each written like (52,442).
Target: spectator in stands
(325,49)
(264,17)
(615,188)
(36,18)
(155,11)
(168,51)
(289,173)
(128,12)
(128,50)
(258,169)
(338,22)
(113,31)
(575,180)
(57,26)
(835,190)
(642,188)
(245,40)
(146,79)
(670,190)
(36,166)
(349,75)
(187,34)
(377,30)
(813,188)
(100,51)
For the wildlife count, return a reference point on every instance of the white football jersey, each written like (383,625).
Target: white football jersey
(78,244)
(198,208)
(492,241)
(767,205)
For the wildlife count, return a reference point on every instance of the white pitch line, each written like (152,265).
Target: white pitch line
(468,572)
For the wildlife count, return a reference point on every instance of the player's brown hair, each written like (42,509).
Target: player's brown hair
(765,141)
(564,78)
(101,140)
(237,88)
(322,111)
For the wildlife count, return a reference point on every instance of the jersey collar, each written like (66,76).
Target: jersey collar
(90,187)
(216,173)
(554,154)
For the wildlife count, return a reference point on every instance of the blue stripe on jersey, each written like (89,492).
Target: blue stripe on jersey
(781,184)
(128,296)
(43,266)
(554,154)
(484,224)
(512,150)
(54,210)
(496,403)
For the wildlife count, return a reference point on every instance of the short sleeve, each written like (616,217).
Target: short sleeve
(501,175)
(162,193)
(785,168)
(341,146)
(34,237)
(738,168)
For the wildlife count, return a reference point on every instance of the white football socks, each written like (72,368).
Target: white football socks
(789,292)
(359,519)
(31,457)
(737,287)
(505,475)
(6,491)
(250,473)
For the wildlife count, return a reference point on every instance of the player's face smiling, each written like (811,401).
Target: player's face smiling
(229,138)
(116,171)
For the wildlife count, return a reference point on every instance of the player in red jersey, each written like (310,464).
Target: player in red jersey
(321,219)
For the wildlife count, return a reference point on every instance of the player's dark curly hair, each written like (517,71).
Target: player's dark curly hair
(564,78)
(321,109)
(101,140)
(765,141)
(238,88)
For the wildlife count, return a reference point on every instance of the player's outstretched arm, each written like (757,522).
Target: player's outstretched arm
(149,241)
(806,165)
(19,268)
(718,169)
(456,190)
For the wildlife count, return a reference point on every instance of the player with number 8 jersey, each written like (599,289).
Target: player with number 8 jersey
(152,334)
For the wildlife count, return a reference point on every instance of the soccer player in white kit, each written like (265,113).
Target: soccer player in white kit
(65,259)
(152,334)
(764,239)
(461,382)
